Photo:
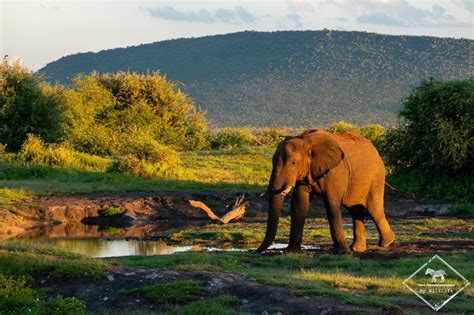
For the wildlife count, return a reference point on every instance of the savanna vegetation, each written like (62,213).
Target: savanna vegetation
(265,78)
(126,131)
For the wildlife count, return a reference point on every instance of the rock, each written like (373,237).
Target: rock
(152,276)
(265,313)
(244,301)
(105,298)
(110,278)
(440,209)
(128,274)
(127,219)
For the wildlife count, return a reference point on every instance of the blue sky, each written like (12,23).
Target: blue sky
(43,31)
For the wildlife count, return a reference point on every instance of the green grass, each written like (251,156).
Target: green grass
(443,188)
(350,279)
(20,262)
(21,258)
(183,291)
(463,209)
(17,297)
(236,169)
(8,195)
(111,211)
(222,305)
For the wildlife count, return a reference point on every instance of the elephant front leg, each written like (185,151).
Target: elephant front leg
(299,210)
(360,242)
(334,213)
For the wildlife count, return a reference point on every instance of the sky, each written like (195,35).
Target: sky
(40,32)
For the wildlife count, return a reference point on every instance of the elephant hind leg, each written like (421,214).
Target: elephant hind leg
(376,210)
(359,243)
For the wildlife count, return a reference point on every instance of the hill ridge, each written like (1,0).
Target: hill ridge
(288,78)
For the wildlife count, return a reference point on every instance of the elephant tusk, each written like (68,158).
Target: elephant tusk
(286,191)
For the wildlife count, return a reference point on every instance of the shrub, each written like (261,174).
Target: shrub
(27,105)
(463,209)
(341,127)
(436,129)
(375,133)
(17,297)
(15,294)
(111,211)
(35,151)
(270,136)
(102,111)
(134,166)
(229,138)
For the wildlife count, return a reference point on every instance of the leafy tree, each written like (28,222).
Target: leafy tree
(436,130)
(104,111)
(27,105)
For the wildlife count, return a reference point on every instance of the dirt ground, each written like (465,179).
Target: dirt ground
(254,297)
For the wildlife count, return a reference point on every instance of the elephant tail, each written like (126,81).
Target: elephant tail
(406,193)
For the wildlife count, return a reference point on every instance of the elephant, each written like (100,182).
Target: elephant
(345,170)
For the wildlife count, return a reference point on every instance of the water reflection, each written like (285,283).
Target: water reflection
(103,248)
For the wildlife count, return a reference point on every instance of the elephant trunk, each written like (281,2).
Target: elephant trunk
(274,206)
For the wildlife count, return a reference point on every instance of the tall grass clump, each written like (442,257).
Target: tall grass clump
(35,152)
(229,138)
(375,133)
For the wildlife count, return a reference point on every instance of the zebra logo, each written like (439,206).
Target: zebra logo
(436,283)
(436,274)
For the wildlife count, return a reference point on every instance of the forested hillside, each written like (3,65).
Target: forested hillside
(308,78)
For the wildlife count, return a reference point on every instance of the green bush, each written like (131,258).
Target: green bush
(134,166)
(17,297)
(270,136)
(436,129)
(229,138)
(27,105)
(341,127)
(104,111)
(35,151)
(111,211)
(463,209)
(375,133)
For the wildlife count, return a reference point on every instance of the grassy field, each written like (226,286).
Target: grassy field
(371,280)
(245,168)
(352,279)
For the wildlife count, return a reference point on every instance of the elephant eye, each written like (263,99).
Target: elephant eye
(293,162)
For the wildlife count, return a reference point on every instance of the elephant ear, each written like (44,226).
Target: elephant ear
(325,155)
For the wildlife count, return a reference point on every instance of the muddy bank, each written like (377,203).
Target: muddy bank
(152,213)
(80,216)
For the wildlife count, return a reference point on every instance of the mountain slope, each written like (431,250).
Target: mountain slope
(308,78)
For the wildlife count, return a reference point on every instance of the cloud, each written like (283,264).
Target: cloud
(379,19)
(237,15)
(300,5)
(466,4)
(399,13)
(295,19)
